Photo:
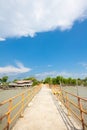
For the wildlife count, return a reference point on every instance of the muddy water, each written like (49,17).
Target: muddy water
(80,91)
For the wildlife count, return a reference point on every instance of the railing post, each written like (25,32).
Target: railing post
(9,112)
(60,95)
(81,113)
(22,105)
(67,104)
(28,95)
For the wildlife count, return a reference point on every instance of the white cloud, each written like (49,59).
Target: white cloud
(49,66)
(12,70)
(45,74)
(2,39)
(62,73)
(54,74)
(83,75)
(27,17)
(84,64)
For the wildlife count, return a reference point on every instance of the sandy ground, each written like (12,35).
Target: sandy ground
(43,113)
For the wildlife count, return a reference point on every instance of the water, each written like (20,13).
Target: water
(4,95)
(80,91)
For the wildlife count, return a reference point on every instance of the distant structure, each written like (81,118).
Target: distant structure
(21,83)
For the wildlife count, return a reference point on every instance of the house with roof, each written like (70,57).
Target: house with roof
(21,83)
(26,83)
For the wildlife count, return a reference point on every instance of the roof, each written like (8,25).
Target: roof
(23,81)
(12,84)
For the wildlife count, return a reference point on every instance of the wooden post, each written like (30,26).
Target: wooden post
(22,106)
(81,113)
(67,104)
(8,117)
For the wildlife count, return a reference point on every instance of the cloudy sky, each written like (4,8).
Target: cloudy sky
(43,38)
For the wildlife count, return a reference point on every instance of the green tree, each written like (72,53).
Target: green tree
(73,82)
(48,80)
(54,81)
(65,81)
(69,81)
(0,80)
(15,80)
(59,79)
(4,79)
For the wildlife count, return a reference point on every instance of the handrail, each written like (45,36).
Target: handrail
(6,101)
(75,95)
(25,96)
(63,96)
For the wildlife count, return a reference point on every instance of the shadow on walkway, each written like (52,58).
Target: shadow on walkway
(68,123)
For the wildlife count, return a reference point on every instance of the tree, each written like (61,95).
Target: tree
(15,80)
(54,81)
(65,81)
(59,79)
(0,80)
(48,80)
(4,79)
(73,82)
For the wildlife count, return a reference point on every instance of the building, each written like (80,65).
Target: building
(26,83)
(21,83)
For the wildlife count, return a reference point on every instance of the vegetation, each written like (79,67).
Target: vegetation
(56,80)
(3,81)
(15,80)
(66,81)
(34,80)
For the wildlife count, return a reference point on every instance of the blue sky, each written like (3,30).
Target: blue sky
(47,51)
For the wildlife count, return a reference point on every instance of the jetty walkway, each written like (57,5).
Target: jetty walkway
(45,113)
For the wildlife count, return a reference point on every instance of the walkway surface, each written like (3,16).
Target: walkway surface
(43,114)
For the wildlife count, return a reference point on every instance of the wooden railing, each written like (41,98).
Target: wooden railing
(74,104)
(15,107)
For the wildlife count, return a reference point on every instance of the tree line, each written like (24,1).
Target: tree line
(56,80)
(66,81)
(5,83)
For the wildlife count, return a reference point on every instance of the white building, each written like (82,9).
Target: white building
(21,83)
(26,83)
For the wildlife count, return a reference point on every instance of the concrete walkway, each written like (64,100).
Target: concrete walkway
(41,114)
